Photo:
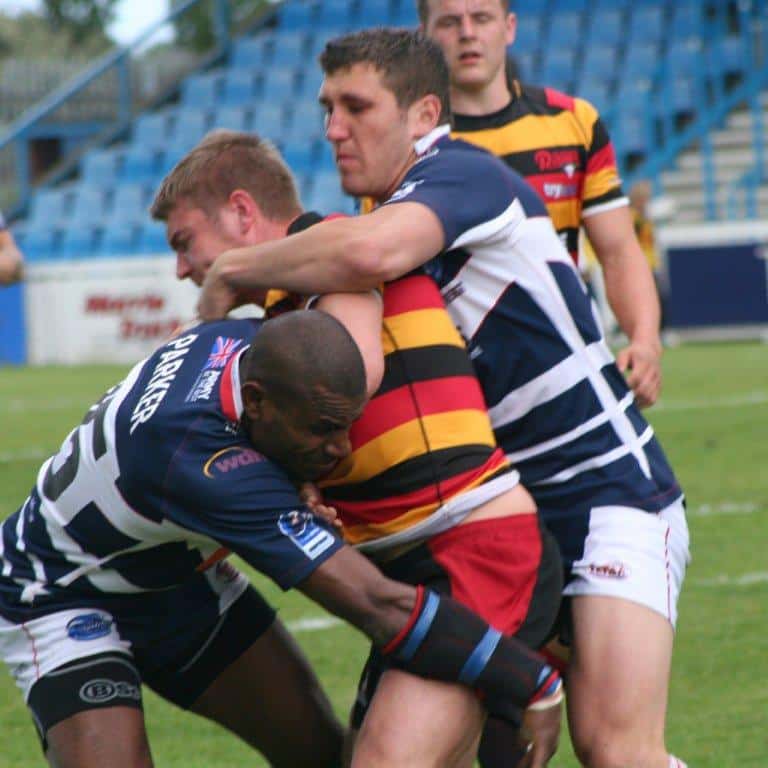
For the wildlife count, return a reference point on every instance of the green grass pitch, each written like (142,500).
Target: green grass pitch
(713,422)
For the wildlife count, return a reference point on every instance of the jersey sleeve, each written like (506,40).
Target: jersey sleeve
(245,502)
(602,184)
(472,193)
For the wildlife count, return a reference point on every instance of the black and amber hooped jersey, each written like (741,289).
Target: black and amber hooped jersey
(559,144)
(425,435)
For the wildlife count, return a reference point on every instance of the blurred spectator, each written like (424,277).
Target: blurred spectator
(639,199)
(11,262)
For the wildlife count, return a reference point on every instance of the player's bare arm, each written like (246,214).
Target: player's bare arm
(354,254)
(361,315)
(632,295)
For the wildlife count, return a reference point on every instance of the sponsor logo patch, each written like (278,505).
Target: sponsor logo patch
(405,190)
(103,690)
(614,570)
(305,533)
(559,191)
(223,348)
(229,459)
(549,160)
(88,626)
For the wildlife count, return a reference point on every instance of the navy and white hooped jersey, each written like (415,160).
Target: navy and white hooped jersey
(559,406)
(158,476)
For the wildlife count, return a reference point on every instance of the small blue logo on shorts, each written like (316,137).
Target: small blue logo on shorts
(89,626)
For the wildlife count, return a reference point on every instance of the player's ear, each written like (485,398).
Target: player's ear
(425,114)
(246,208)
(254,398)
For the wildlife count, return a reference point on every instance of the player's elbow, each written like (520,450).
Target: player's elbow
(368,262)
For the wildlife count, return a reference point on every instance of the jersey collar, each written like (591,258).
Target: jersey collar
(424,144)
(229,389)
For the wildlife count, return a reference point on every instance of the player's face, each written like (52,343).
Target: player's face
(198,239)
(474,35)
(372,136)
(309,437)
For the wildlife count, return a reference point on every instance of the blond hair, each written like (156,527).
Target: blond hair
(223,162)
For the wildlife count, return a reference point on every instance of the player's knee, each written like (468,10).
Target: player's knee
(613,751)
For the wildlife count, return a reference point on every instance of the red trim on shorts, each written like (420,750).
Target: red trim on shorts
(493,566)
(34,650)
(415,613)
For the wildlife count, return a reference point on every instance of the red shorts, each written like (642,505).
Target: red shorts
(506,569)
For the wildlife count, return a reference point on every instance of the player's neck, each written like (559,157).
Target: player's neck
(485,101)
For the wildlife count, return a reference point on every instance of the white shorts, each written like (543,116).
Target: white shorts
(34,648)
(635,555)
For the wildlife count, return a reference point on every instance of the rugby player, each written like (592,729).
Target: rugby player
(559,405)
(425,490)
(105,581)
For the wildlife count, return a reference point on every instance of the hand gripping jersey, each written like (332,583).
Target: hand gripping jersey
(156,478)
(560,146)
(560,408)
(424,438)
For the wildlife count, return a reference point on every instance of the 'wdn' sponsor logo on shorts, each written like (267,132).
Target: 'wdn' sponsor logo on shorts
(229,459)
(302,530)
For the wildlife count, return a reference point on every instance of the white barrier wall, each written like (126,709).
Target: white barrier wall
(103,310)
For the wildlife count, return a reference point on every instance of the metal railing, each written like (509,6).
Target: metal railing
(115,75)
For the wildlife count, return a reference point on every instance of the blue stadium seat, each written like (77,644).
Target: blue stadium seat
(309,87)
(289,50)
(631,134)
(327,196)
(536,6)
(238,86)
(151,239)
(41,243)
(296,14)
(605,27)
(139,164)
(233,118)
(334,14)
(641,62)
(269,120)
(558,69)
(189,127)
(89,205)
(151,130)
(130,203)
(278,85)
(687,21)
(49,206)
(527,69)
(529,34)
(251,52)
(564,30)
(684,59)
(599,63)
(79,242)
(118,239)
(729,57)
(201,90)
(569,5)
(305,122)
(325,159)
(646,24)
(405,15)
(375,13)
(596,91)
(301,158)
(101,166)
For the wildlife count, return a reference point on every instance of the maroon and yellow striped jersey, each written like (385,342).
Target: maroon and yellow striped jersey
(425,435)
(561,147)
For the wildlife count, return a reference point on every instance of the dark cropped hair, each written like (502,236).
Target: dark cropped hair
(412,66)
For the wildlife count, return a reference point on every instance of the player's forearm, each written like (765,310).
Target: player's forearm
(632,294)
(331,256)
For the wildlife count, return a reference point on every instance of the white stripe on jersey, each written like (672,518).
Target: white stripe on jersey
(546,386)
(512,249)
